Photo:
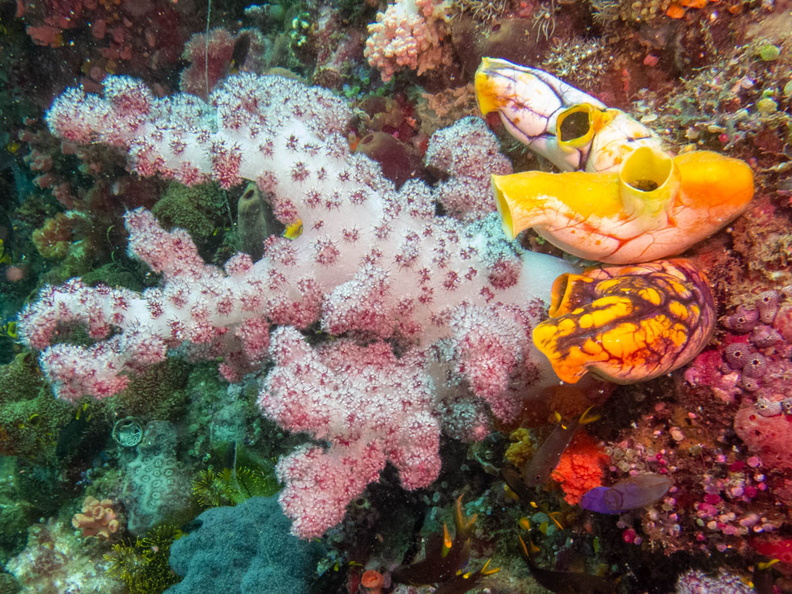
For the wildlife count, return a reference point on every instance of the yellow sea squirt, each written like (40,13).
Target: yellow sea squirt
(627,323)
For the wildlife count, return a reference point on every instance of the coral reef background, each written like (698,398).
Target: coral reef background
(126,469)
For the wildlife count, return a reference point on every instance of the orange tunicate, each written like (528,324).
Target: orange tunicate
(627,324)
(98,518)
(675,11)
(694,3)
(373,581)
(581,467)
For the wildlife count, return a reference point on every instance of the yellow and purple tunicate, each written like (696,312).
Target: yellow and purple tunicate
(634,492)
(627,324)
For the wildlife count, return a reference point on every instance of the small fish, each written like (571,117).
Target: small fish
(554,517)
(33,421)
(448,542)
(537,471)
(763,580)
(463,582)
(71,436)
(5,257)
(81,411)
(515,483)
(10,328)
(240,52)
(294,230)
(444,556)
(565,582)
(767,564)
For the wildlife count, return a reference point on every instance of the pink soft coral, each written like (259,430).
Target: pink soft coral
(428,318)
(371,407)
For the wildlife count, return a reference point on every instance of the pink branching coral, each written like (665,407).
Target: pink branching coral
(372,263)
(409,34)
(98,518)
(370,406)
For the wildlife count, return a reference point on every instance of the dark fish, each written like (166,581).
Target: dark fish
(545,459)
(240,53)
(463,582)
(445,556)
(515,482)
(567,582)
(763,579)
(73,433)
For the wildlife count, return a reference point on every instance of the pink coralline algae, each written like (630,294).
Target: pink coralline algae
(774,548)
(143,35)
(372,263)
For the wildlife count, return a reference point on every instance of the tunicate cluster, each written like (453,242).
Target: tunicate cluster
(772,408)
(741,356)
(764,310)
(743,320)
(767,306)
(754,356)
(626,459)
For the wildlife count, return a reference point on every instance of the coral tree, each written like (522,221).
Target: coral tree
(457,300)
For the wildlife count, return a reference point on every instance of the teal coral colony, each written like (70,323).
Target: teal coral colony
(395,297)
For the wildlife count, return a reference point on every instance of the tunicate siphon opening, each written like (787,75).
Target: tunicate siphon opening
(575,126)
(646,169)
(502,204)
(562,300)
(649,182)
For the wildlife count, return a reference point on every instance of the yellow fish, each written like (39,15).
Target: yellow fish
(293,230)
(10,328)
(5,257)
